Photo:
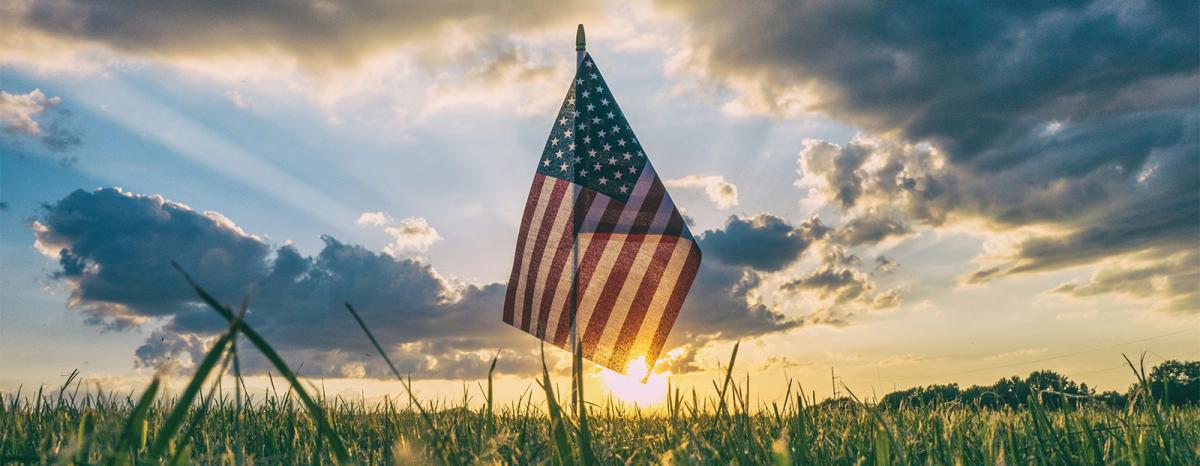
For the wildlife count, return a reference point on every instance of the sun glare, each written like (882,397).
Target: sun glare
(628,387)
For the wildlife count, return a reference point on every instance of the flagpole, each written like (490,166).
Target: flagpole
(576,358)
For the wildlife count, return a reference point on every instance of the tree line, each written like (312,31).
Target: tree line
(1172,383)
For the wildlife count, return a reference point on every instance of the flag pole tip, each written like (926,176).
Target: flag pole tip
(580,41)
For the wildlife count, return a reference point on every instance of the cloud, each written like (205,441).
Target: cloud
(410,236)
(318,33)
(114,250)
(843,286)
(762,242)
(1079,121)
(1169,280)
(885,265)
(20,115)
(375,219)
(722,193)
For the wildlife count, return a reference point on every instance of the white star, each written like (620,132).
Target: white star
(599,88)
(571,101)
(558,154)
(571,146)
(591,152)
(603,101)
(617,175)
(603,180)
(554,142)
(596,120)
(610,114)
(575,159)
(607,147)
(585,94)
(616,128)
(595,165)
(591,107)
(576,113)
(632,169)
(587,139)
(567,133)
(563,120)
(588,63)
(627,155)
(583,172)
(620,142)
(602,133)
(594,76)
(624,189)
(546,163)
(612,161)
(579,81)
(563,167)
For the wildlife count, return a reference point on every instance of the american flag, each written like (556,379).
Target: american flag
(636,258)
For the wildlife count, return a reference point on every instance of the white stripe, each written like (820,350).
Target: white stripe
(562,217)
(535,224)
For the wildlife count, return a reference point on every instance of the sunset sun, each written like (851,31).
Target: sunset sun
(629,387)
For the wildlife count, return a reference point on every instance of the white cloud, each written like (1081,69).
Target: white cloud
(412,235)
(17,111)
(723,193)
(375,219)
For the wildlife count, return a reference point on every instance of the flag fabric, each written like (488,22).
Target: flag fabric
(636,257)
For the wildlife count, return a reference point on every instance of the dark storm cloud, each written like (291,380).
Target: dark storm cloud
(763,242)
(115,249)
(1080,116)
(967,76)
(720,302)
(316,32)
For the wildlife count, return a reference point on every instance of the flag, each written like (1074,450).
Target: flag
(595,194)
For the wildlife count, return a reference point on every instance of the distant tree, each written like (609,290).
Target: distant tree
(1176,383)
(1055,390)
(1112,399)
(1173,382)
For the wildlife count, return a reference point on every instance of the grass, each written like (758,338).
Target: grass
(204,424)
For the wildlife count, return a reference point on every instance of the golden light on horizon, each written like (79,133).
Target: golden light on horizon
(629,387)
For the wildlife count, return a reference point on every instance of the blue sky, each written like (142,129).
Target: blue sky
(983,220)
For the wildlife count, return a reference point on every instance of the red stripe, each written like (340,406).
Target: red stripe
(561,260)
(641,301)
(551,211)
(686,275)
(587,266)
(510,295)
(654,200)
(614,282)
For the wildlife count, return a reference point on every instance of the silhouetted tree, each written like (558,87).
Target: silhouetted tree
(1176,383)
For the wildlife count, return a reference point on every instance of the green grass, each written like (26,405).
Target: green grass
(203,424)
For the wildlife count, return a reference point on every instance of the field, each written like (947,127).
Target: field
(207,424)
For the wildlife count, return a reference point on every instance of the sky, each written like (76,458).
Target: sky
(887,195)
